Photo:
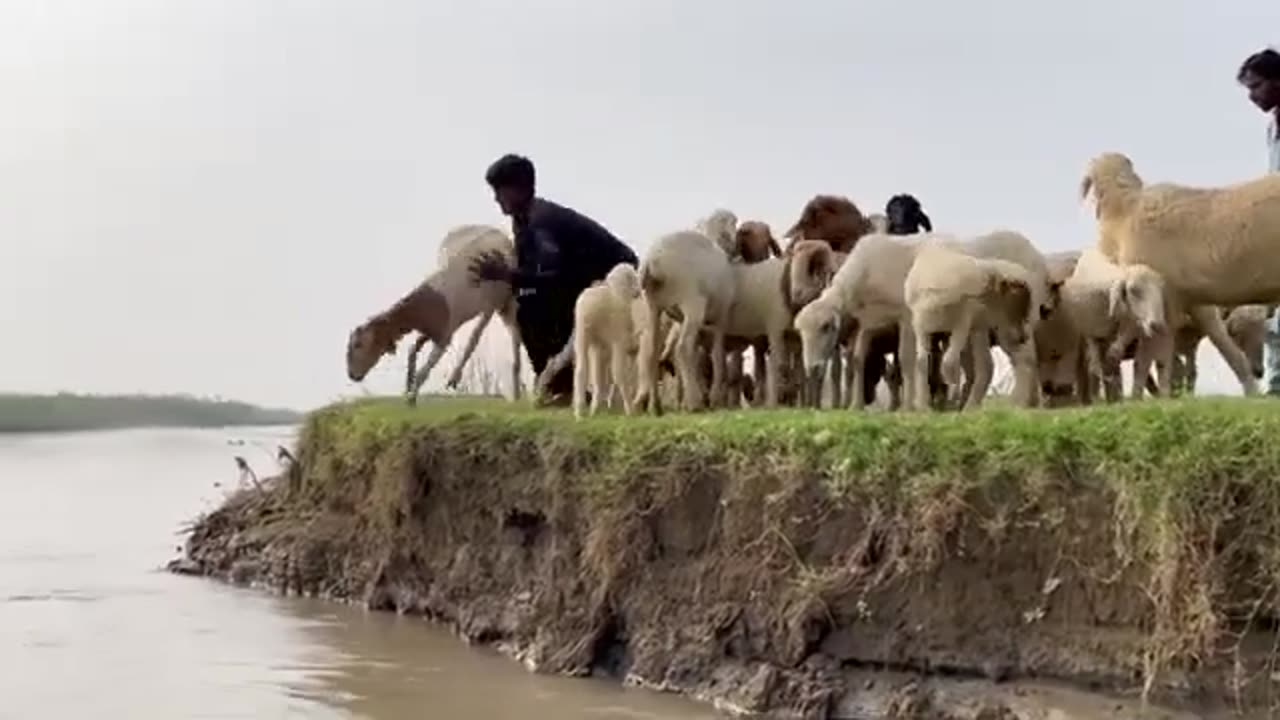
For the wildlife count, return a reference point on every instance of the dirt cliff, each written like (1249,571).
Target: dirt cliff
(804,565)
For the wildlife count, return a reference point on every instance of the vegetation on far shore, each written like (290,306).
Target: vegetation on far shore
(65,412)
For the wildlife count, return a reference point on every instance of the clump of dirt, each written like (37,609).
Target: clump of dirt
(786,582)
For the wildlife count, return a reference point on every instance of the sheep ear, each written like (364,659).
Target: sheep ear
(925,222)
(1086,184)
(794,231)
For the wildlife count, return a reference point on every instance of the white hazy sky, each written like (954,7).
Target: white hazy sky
(206,195)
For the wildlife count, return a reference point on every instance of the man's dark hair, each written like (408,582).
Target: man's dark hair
(1264,63)
(511,171)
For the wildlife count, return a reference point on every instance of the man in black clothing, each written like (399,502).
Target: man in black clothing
(559,253)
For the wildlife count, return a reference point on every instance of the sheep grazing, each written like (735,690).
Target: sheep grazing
(436,308)
(905,216)
(687,275)
(605,339)
(833,219)
(950,291)
(1214,246)
(866,291)
(1060,353)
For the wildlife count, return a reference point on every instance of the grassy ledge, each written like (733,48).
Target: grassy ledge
(759,558)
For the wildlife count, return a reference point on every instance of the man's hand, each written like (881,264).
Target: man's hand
(490,265)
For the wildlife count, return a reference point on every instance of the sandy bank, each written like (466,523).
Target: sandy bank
(999,565)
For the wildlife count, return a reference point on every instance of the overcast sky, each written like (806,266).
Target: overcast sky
(206,196)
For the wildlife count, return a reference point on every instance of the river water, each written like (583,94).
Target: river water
(91,627)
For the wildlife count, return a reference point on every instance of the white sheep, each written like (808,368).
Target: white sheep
(767,296)
(606,339)
(687,275)
(1110,305)
(868,290)
(1060,353)
(437,307)
(948,290)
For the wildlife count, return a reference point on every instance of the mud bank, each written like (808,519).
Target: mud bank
(799,565)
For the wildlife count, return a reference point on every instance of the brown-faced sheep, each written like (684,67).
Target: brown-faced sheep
(436,308)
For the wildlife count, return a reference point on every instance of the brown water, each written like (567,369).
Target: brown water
(90,627)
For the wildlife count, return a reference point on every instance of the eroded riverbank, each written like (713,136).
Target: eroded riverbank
(798,565)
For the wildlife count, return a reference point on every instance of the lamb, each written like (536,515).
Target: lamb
(950,291)
(688,276)
(1060,353)
(1212,246)
(437,307)
(605,339)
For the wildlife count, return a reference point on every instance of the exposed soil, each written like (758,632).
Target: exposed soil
(743,580)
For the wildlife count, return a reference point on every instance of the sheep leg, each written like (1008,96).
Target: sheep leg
(893,379)
(719,368)
(508,317)
(411,368)
(773,368)
(1083,377)
(983,369)
(599,377)
(1189,374)
(920,384)
(908,344)
(437,352)
(1207,317)
(1026,383)
(858,359)
(956,343)
(580,375)
(836,375)
(622,377)
(455,377)
(686,354)
(647,361)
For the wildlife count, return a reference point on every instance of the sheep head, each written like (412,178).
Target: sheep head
(1009,294)
(1114,183)
(819,326)
(366,345)
(721,226)
(832,218)
(754,242)
(906,217)
(624,281)
(1140,296)
(807,271)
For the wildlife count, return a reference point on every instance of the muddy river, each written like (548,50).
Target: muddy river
(90,626)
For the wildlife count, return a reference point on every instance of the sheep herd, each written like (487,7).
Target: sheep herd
(854,300)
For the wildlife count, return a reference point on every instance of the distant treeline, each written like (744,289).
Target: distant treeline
(70,411)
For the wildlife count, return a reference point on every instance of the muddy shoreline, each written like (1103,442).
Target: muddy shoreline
(776,575)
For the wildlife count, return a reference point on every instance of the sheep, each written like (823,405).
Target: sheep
(1060,353)
(905,216)
(768,294)
(754,242)
(1213,246)
(456,244)
(1246,326)
(831,218)
(605,340)
(436,308)
(687,275)
(948,290)
(868,289)
(1109,305)
(722,227)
